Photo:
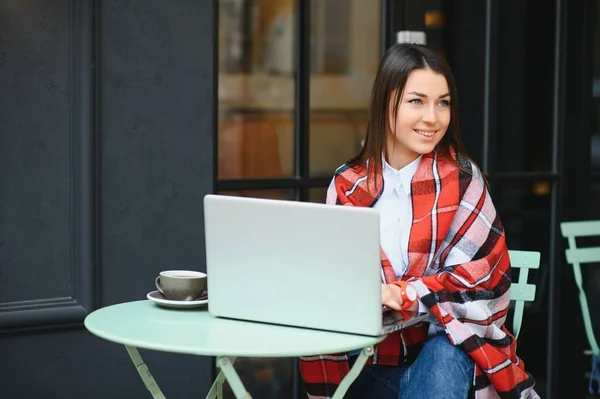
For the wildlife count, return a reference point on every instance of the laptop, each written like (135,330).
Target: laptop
(297,264)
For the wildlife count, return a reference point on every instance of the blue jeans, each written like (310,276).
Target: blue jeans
(441,370)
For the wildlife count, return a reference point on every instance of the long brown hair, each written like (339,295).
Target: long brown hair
(397,63)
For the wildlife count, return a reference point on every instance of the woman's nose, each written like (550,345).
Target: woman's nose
(429,114)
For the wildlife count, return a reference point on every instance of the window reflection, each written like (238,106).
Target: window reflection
(256,107)
(256,36)
(256,89)
(256,84)
(345,65)
(318,195)
(330,31)
(255,145)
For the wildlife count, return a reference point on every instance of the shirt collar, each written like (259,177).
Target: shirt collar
(401,179)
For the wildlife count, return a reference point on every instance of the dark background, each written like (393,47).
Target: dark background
(106,151)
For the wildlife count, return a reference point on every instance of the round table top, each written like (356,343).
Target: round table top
(143,324)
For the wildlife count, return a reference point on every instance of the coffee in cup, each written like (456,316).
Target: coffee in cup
(181,285)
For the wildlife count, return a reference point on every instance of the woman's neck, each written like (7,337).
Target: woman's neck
(399,159)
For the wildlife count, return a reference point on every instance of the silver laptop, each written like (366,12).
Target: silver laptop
(296,263)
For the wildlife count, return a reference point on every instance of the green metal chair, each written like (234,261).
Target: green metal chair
(576,256)
(521,291)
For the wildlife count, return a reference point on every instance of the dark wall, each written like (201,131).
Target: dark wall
(106,151)
(465,46)
(577,202)
(523,71)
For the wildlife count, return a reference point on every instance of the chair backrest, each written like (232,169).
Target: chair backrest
(576,256)
(521,291)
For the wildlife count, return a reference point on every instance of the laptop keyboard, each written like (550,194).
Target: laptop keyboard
(389,318)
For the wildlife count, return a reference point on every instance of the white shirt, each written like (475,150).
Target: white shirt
(395,218)
(395,213)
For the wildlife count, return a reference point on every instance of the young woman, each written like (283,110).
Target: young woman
(441,239)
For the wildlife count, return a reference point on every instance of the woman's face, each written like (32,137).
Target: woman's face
(422,119)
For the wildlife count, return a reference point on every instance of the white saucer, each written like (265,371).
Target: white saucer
(159,299)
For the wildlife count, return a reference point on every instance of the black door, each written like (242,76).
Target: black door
(106,151)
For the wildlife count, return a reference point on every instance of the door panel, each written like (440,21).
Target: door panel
(106,152)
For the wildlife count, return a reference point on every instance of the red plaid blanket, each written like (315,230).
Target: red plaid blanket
(452,211)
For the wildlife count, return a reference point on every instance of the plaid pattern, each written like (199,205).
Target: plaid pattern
(452,211)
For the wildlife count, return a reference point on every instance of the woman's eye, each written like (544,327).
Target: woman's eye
(416,101)
(444,103)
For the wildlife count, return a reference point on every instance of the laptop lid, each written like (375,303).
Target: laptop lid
(294,263)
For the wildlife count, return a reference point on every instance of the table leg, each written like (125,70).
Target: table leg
(361,360)
(216,390)
(225,363)
(144,373)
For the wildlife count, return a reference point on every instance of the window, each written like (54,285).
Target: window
(294,84)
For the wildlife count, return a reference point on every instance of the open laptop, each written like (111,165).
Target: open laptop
(296,263)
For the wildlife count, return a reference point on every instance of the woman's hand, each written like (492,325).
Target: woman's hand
(391,296)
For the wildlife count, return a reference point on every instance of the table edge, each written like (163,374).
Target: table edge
(370,341)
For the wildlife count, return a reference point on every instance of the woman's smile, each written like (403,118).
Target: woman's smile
(426,133)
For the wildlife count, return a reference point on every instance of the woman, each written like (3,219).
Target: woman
(440,237)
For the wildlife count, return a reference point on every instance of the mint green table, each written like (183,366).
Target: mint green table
(143,324)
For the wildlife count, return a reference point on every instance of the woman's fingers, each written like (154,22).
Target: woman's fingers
(391,296)
(393,305)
